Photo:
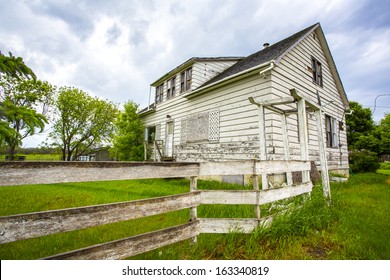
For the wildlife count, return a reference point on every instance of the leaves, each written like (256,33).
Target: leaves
(128,139)
(14,67)
(81,122)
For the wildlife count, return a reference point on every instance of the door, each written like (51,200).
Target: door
(169,140)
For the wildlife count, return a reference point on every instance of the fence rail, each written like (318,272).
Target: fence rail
(24,226)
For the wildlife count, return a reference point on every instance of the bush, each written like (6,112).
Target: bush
(385,165)
(363,161)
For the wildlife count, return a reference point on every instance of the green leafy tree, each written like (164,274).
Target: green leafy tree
(382,132)
(14,67)
(128,139)
(359,124)
(81,122)
(24,104)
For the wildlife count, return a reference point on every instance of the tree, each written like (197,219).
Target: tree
(14,67)
(128,139)
(23,106)
(359,123)
(382,132)
(81,122)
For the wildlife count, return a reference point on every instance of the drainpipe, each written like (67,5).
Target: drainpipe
(270,67)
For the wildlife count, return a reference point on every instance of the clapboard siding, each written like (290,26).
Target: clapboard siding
(205,70)
(292,72)
(238,118)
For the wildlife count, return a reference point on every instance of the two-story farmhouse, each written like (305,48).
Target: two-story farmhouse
(207,109)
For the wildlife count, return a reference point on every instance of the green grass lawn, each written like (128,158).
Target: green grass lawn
(355,226)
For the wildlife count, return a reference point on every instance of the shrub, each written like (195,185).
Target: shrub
(363,161)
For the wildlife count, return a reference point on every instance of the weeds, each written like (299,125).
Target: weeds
(354,226)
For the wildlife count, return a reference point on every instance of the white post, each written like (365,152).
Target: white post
(303,136)
(286,144)
(263,145)
(193,210)
(323,160)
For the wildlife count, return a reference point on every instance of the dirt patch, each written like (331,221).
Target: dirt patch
(316,252)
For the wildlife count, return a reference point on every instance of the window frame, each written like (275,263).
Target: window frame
(331,132)
(316,69)
(185,80)
(159,93)
(171,87)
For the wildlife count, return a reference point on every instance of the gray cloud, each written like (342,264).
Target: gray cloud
(115,49)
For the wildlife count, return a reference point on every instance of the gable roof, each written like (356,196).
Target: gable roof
(274,53)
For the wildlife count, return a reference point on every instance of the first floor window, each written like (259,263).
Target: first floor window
(331,131)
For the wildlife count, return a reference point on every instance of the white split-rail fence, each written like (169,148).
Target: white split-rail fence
(25,226)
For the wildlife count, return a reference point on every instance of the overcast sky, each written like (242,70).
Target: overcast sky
(115,49)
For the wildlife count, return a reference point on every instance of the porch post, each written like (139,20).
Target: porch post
(303,136)
(286,144)
(323,160)
(263,145)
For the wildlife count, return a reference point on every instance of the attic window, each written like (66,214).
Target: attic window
(316,71)
(159,93)
(171,88)
(185,80)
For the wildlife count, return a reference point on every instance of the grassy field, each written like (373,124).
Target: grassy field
(36,157)
(355,226)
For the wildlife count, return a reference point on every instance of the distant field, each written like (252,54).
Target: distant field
(37,157)
(355,226)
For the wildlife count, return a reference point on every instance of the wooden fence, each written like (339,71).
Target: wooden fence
(24,226)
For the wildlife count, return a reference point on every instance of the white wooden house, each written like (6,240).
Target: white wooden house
(207,109)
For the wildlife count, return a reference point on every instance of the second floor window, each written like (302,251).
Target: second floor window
(185,80)
(171,88)
(159,93)
(317,71)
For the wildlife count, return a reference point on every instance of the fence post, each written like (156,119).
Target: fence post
(257,189)
(193,210)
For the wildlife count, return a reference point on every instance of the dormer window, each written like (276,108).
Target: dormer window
(171,88)
(159,93)
(317,71)
(185,80)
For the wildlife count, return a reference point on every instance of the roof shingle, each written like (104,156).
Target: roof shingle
(267,54)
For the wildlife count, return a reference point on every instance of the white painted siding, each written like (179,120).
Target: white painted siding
(239,127)
(292,72)
(202,71)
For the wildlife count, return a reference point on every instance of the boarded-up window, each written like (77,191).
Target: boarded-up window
(200,127)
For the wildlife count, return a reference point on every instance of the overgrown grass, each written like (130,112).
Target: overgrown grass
(354,226)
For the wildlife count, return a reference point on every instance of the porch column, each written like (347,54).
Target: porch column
(303,136)
(322,150)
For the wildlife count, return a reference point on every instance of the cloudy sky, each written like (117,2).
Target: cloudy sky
(115,49)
